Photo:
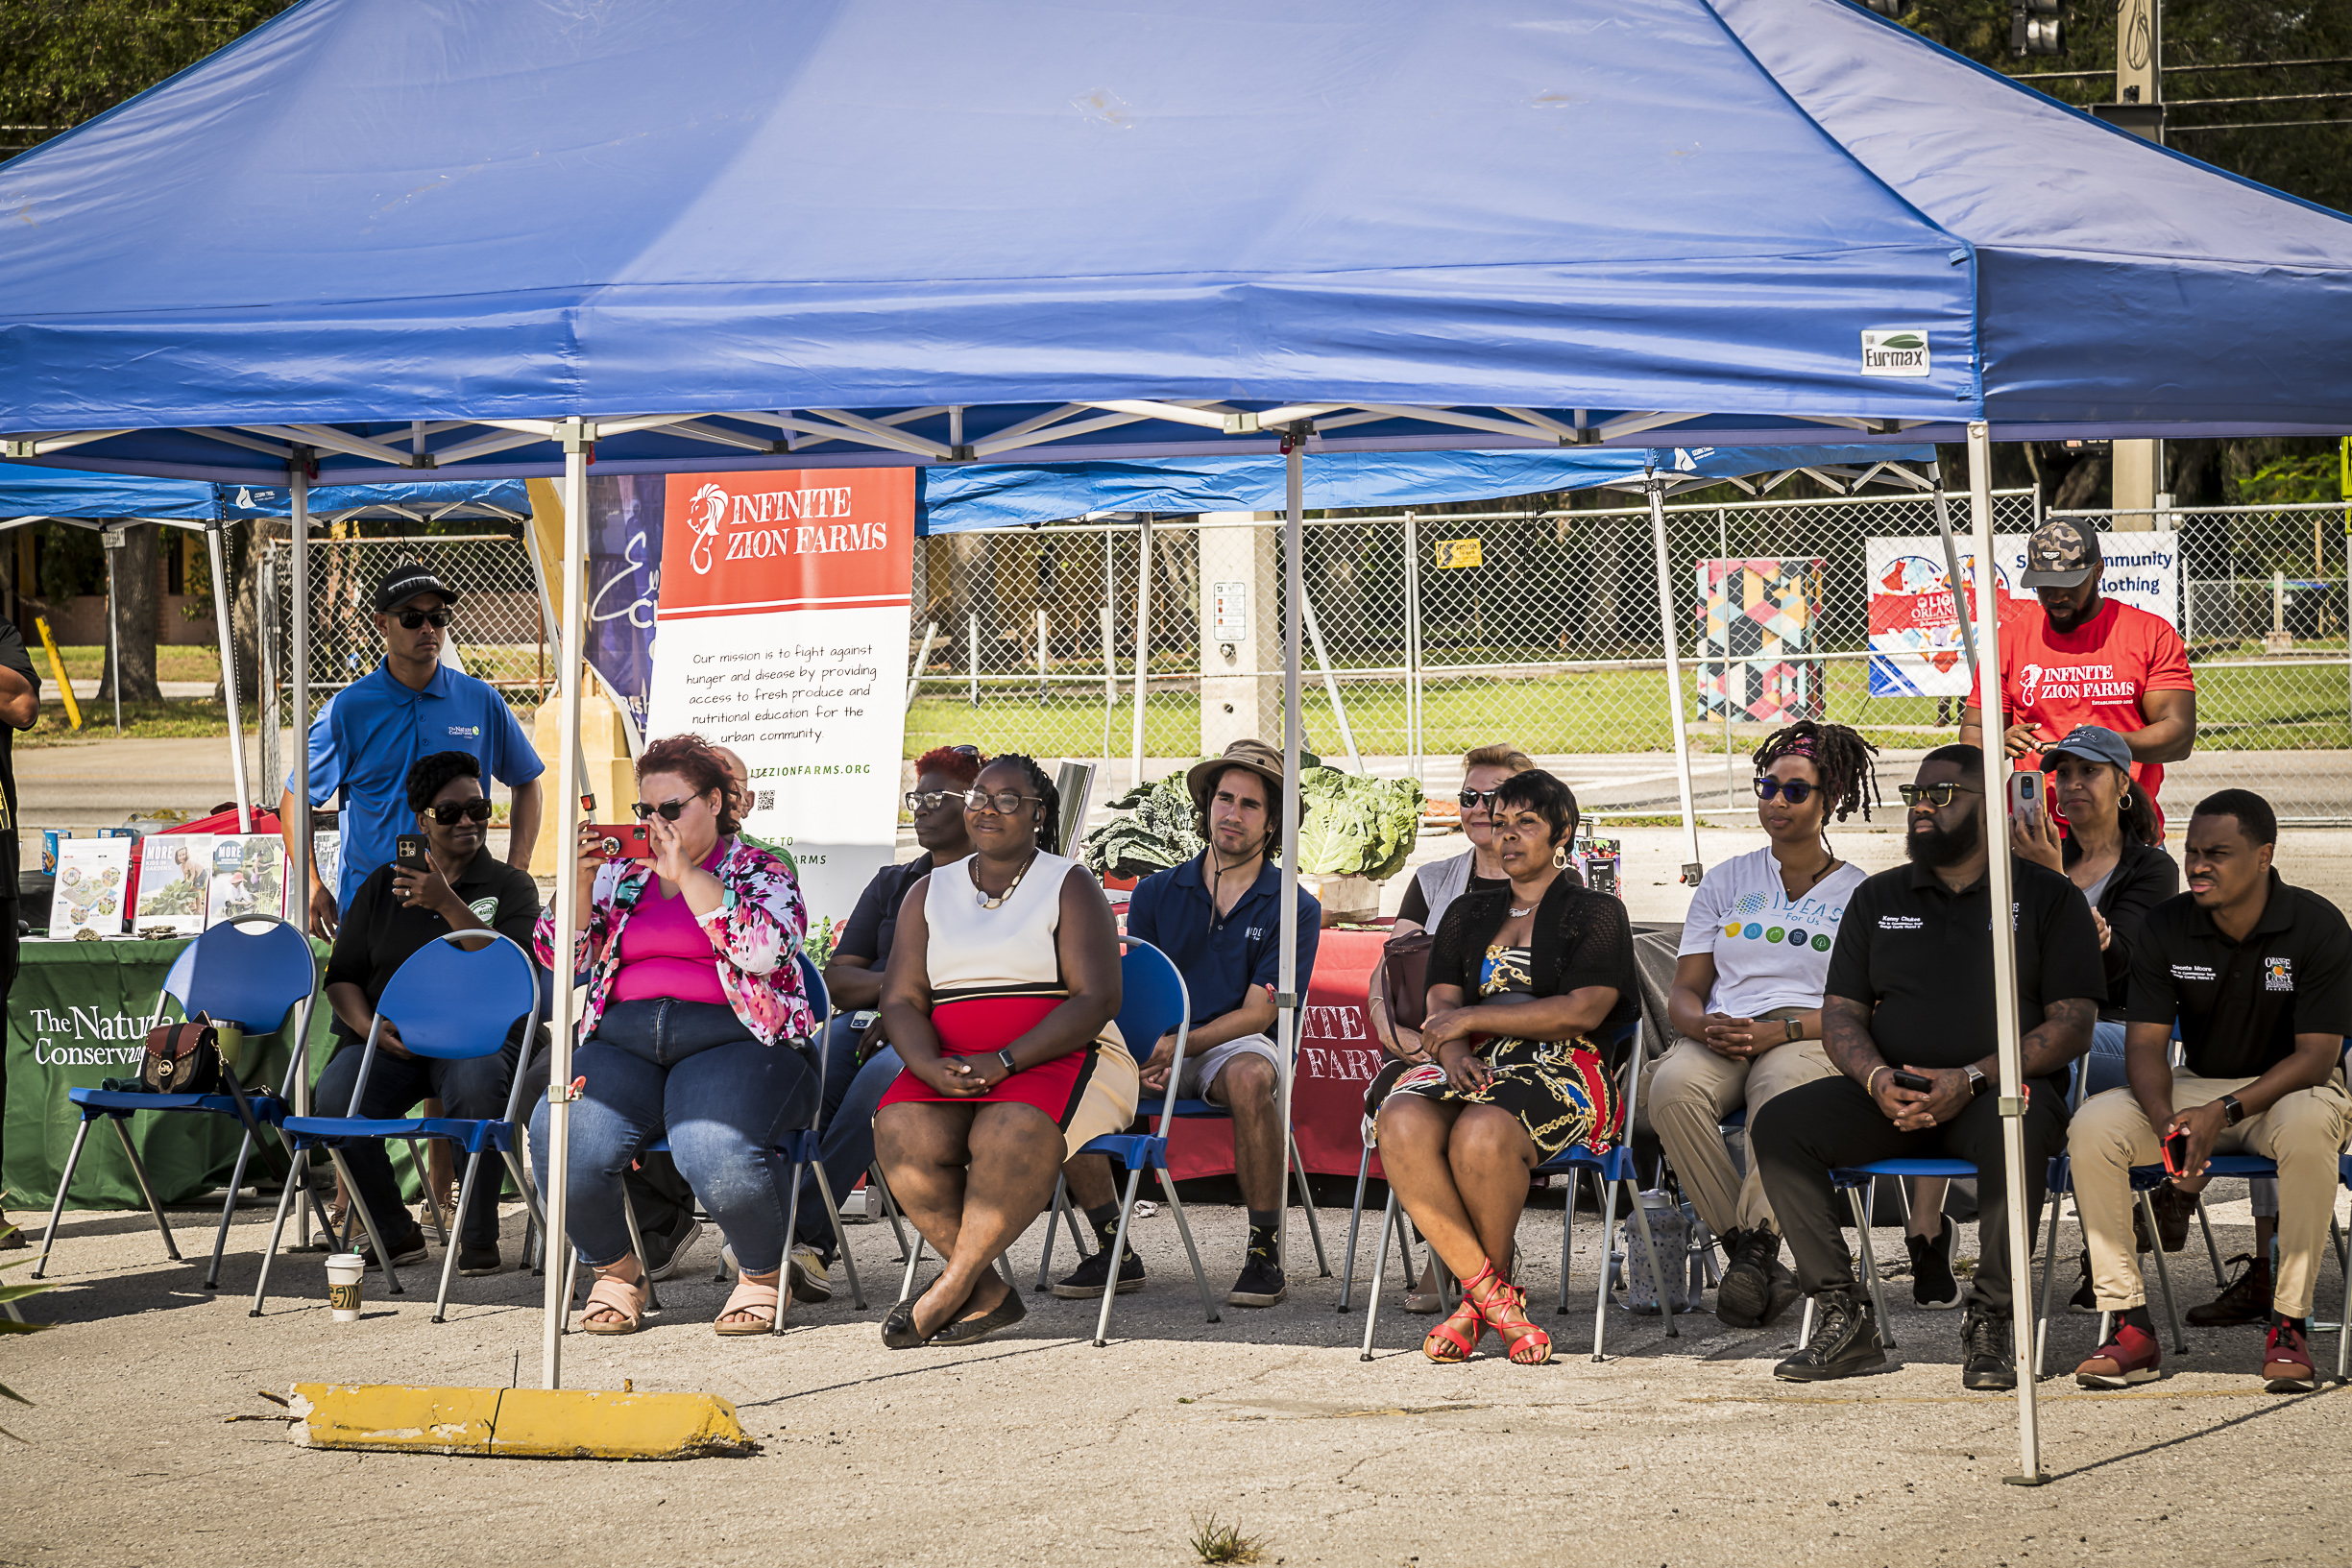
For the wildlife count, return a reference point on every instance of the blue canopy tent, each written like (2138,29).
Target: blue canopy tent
(807,233)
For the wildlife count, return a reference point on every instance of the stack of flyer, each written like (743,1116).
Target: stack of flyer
(174,884)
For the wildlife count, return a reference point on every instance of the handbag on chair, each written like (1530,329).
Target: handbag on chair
(1404,978)
(182,1058)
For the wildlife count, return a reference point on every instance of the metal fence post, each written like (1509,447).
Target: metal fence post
(1143,635)
(971,642)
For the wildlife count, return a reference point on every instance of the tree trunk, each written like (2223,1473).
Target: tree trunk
(137,570)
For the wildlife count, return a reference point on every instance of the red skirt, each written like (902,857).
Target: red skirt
(983,1025)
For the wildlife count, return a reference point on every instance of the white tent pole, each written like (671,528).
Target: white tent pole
(1951,575)
(1693,868)
(113,540)
(570,781)
(1286,991)
(1331,688)
(298,864)
(2000,879)
(222,602)
(1143,635)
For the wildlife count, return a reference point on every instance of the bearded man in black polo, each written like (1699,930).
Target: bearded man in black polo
(1909,990)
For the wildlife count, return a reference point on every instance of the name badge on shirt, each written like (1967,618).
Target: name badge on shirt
(1899,923)
(465,732)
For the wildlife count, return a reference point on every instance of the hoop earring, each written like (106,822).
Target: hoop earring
(1560,857)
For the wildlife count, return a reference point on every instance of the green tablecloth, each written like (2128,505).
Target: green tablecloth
(78,1013)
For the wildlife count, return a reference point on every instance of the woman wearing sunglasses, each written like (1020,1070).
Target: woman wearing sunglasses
(456,885)
(1000,995)
(695,1015)
(1432,891)
(1746,999)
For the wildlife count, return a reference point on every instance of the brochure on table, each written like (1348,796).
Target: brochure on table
(175,883)
(94,886)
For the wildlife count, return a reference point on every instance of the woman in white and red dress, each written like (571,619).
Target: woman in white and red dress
(1000,995)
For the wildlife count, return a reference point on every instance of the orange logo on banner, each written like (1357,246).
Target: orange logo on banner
(786,538)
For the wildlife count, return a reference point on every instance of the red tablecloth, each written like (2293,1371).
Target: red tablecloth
(1338,1055)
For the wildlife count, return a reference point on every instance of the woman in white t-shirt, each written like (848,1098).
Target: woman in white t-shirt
(1746,999)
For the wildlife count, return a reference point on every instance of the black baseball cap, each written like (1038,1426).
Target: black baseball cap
(405,582)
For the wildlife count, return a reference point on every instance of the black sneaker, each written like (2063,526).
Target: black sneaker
(473,1262)
(1845,1342)
(1988,1351)
(1756,1287)
(665,1249)
(2247,1300)
(1085,1283)
(1933,1284)
(408,1249)
(1261,1282)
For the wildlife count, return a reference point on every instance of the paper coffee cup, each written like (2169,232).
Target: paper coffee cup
(344,1272)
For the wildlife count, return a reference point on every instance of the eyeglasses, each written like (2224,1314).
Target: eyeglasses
(411,619)
(1005,801)
(931,800)
(1471,798)
(668,810)
(965,751)
(1934,794)
(449,813)
(1796,791)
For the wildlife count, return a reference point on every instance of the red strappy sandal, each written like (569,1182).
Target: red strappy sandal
(1455,1339)
(1504,1310)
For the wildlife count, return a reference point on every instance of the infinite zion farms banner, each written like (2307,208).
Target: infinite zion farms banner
(782,632)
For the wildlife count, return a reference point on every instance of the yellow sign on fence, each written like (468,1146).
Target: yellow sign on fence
(1459,552)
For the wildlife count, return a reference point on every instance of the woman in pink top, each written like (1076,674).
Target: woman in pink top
(695,1030)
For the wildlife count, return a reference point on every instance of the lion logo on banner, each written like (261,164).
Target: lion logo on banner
(707,511)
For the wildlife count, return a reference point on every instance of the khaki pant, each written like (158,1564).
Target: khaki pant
(2303,1132)
(1686,1094)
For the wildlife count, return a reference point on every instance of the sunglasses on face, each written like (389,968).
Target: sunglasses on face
(1006,802)
(1934,794)
(668,810)
(1795,791)
(411,619)
(1473,799)
(449,813)
(931,800)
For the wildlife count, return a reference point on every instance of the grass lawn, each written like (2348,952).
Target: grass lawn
(1606,710)
(141,720)
(87,662)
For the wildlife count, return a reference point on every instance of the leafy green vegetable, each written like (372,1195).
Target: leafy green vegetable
(1350,825)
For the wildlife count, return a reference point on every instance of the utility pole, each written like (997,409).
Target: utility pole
(2138,466)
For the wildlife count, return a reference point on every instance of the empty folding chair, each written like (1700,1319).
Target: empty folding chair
(251,974)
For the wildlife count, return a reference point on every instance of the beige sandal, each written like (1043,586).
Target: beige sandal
(750,1295)
(626,1297)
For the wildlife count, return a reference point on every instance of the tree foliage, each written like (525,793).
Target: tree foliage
(61,61)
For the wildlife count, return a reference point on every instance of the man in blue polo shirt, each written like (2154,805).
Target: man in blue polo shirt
(364,742)
(1219,918)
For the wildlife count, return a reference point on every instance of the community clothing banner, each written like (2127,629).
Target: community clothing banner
(1915,648)
(782,633)
(1759,617)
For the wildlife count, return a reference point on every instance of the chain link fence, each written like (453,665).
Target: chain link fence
(498,627)
(1430,632)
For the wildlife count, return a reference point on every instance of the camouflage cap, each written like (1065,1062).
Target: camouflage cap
(2061,554)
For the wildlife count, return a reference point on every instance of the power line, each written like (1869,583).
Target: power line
(2172,70)
(2246,124)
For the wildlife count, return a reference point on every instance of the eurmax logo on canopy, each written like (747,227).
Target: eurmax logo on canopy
(1895,351)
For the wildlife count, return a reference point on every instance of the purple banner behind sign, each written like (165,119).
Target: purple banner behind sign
(624,581)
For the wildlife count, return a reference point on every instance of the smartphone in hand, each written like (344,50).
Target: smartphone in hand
(1913,1081)
(2176,1155)
(2027,799)
(623,840)
(408,851)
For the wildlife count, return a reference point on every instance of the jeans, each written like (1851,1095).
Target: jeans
(847,1147)
(690,1071)
(1801,1135)
(2103,1068)
(473,1090)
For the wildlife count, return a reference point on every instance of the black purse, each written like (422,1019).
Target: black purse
(182,1059)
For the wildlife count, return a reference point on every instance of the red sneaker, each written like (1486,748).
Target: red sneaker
(2131,1357)
(2286,1361)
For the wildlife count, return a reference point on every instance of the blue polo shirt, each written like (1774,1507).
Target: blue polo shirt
(365,742)
(1221,959)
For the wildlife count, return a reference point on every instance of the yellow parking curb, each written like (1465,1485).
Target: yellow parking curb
(516,1423)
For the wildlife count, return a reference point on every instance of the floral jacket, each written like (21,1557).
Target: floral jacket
(755,935)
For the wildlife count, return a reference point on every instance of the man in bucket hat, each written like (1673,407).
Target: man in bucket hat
(1219,918)
(2087,660)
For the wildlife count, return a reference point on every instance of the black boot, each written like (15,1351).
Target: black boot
(1845,1342)
(1756,1287)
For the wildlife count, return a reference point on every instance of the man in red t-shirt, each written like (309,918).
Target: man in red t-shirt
(2087,660)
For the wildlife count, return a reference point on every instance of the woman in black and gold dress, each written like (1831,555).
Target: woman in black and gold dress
(1524,984)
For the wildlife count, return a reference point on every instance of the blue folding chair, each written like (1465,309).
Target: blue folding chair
(799,1151)
(1170,1106)
(450,1004)
(1153,1002)
(250,979)
(1609,1166)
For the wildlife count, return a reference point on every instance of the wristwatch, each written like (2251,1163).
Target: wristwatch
(2232,1109)
(1011,1066)
(1976,1080)
(1793,1028)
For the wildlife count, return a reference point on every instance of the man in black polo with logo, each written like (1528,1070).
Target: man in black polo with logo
(2259,977)
(1910,991)
(1219,918)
